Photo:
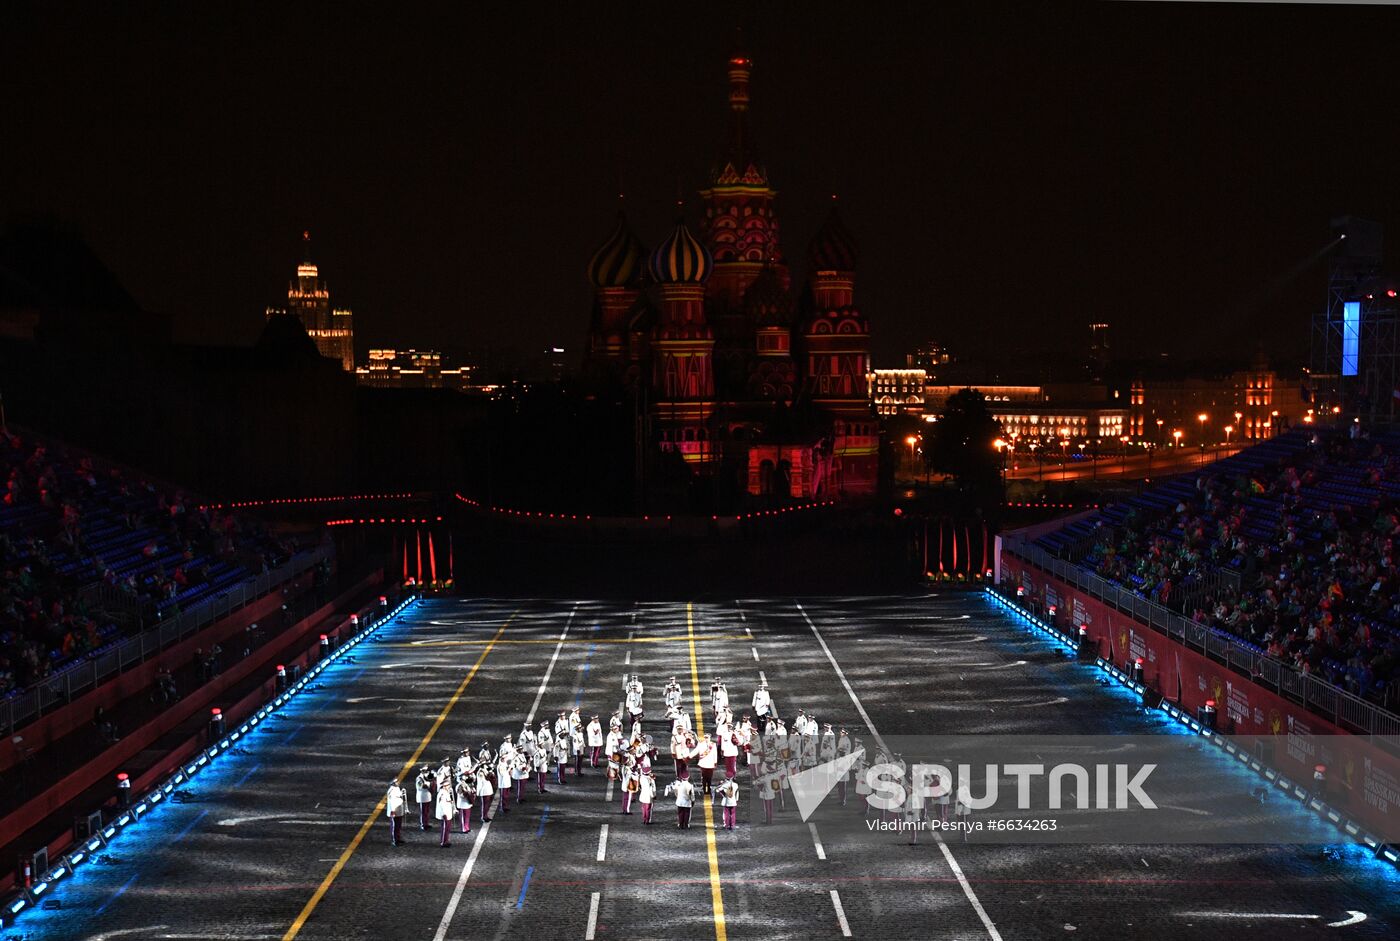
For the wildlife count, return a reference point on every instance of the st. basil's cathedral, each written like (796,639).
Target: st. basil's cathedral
(731,369)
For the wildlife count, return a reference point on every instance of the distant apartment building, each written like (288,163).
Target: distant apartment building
(412,369)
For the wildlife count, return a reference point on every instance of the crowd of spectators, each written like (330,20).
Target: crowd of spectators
(1295,556)
(69,526)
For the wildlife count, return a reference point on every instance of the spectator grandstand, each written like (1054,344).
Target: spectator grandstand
(90,552)
(1287,547)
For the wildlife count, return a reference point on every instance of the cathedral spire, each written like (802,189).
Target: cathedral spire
(740,66)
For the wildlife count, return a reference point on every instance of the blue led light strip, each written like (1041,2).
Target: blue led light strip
(1351,828)
(76,857)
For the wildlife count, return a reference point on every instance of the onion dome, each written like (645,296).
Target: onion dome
(681,259)
(833,248)
(766,302)
(618,261)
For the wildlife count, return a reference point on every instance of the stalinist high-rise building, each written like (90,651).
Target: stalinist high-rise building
(309,300)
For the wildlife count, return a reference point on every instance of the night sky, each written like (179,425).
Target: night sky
(1010,174)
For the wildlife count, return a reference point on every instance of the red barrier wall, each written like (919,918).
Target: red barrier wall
(109,762)
(54,725)
(1363,780)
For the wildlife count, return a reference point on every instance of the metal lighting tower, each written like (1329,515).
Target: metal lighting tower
(1356,339)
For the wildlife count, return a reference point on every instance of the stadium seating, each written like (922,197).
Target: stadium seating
(1287,545)
(87,550)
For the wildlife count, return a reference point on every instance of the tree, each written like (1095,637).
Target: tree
(963,444)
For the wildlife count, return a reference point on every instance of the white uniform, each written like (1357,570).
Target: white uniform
(446,804)
(634,698)
(684,791)
(762,702)
(595,734)
(396,801)
(719,697)
(646,789)
(575,733)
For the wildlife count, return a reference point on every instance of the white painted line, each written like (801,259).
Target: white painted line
(592,916)
(874,733)
(748,633)
(627,660)
(603,843)
(539,695)
(1248,915)
(817,841)
(761,678)
(486,827)
(461,883)
(754,651)
(840,914)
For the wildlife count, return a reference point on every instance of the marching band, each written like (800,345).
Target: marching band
(772,750)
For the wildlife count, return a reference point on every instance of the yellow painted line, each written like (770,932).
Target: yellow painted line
(716,896)
(572,640)
(408,766)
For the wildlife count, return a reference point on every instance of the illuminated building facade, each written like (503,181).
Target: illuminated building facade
(412,369)
(929,357)
(1254,403)
(332,329)
(897,391)
(741,375)
(1082,411)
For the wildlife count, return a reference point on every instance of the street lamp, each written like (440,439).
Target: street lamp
(1202,419)
(1159,430)
(1176,433)
(1000,445)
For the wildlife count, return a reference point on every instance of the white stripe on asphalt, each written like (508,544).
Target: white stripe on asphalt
(947,853)
(754,651)
(544,683)
(603,843)
(840,914)
(485,827)
(592,917)
(461,884)
(817,841)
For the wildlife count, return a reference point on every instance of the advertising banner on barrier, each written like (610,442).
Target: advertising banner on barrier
(1363,779)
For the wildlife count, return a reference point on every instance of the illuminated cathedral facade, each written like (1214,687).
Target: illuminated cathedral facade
(733,370)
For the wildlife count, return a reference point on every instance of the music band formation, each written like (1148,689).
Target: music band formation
(492,779)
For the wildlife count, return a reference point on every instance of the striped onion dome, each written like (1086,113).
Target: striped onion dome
(618,261)
(833,248)
(681,259)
